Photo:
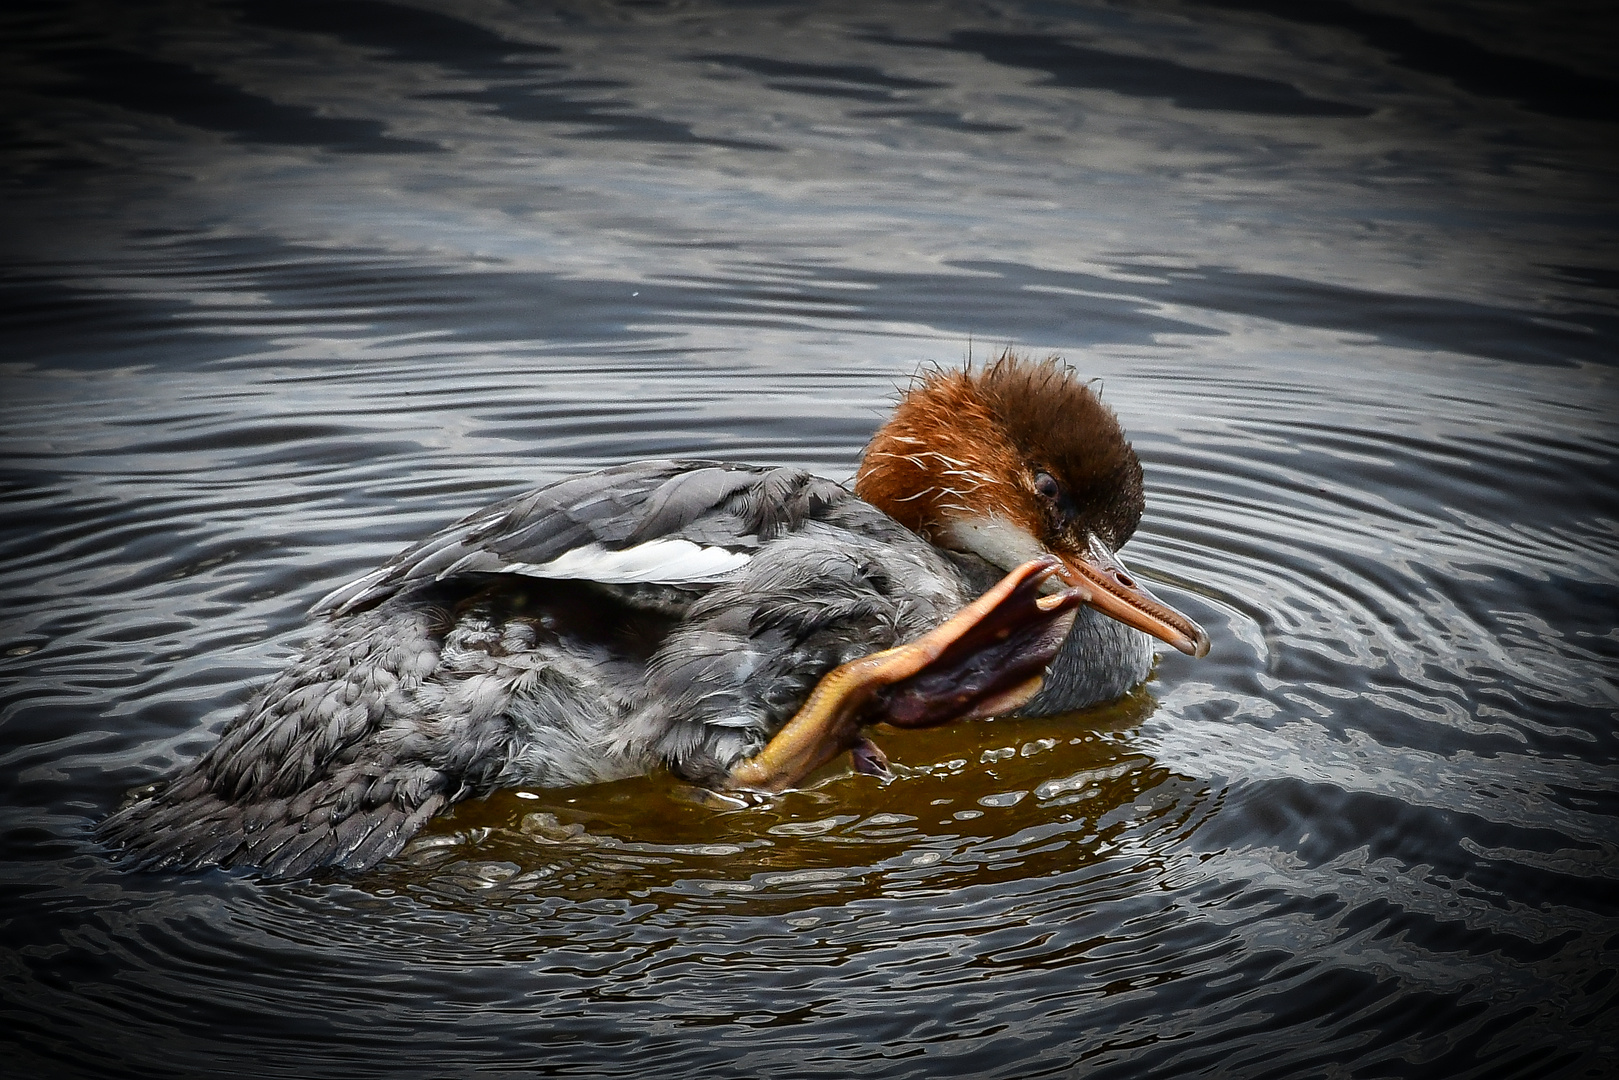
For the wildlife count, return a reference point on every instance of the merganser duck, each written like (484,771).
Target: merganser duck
(738,625)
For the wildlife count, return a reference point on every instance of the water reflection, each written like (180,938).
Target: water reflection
(1059,796)
(1551,88)
(1141,76)
(401,33)
(178,92)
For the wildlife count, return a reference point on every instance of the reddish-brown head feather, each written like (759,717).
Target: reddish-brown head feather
(965,444)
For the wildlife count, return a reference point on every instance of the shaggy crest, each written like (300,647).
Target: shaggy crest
(974,443)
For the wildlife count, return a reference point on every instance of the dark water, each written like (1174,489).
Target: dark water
(290,284)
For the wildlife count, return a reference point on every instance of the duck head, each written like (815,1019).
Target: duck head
(1014,461)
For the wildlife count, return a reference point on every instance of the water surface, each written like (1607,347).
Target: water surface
(288,285)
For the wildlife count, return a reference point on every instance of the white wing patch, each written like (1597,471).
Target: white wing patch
(663,562)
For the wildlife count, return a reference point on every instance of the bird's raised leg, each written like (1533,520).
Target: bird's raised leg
(987,659)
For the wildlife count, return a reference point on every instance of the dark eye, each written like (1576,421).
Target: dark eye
(1047,487)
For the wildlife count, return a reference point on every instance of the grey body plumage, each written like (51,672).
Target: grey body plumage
(444,674)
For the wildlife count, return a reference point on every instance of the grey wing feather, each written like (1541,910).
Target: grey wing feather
(749,652)
(685,497)
(709,504)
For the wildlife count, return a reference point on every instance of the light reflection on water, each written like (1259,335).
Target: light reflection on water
(291,285)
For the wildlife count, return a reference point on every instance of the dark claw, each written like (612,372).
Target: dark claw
(868,758)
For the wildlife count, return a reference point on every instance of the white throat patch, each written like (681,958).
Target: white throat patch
(991,538)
